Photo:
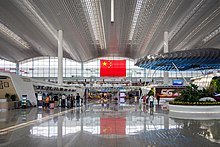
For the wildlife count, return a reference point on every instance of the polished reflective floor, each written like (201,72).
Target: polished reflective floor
(109,126)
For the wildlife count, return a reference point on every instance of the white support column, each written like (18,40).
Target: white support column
(17,68)
(166,75)
(166,35)
(82,69)
(112,11)
(60,57)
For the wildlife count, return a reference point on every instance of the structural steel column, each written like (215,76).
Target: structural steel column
(60,57)
(166,75)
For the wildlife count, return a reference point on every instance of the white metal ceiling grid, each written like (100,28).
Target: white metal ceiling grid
(198,26)
(74,38)
(155,28)
(73,22)
(129,9)
(39,33)
(117,29)
(88,32)
(167,22)
(143,25)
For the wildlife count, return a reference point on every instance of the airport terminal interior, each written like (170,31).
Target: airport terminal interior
(110,73)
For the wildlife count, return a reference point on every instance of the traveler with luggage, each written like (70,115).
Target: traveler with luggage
(63,101)
(77,100)
(47,101)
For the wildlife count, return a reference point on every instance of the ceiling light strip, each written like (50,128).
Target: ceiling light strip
(93,12)
(143,22)
(14,37)
(211,35)
(135,18)
(103,29)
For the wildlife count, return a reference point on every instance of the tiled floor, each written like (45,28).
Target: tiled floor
(96,126)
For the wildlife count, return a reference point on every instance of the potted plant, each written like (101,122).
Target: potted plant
(190,101)
(13,97)
(192,94)
(7,96)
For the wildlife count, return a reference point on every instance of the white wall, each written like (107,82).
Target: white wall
(22,87)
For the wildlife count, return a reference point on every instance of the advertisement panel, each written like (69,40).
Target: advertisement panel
(169,92)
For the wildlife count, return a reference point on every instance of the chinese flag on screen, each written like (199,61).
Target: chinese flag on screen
(112,68)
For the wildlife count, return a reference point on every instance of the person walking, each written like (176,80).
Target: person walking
(63,101)
(140,103)
(151,99)
(77,100)
(144,99)
(47,101)
(158,99)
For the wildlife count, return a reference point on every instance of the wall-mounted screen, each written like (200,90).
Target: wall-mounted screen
(39,97)
(122,100)
(122,94)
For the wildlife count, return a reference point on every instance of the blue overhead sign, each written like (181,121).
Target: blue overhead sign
(177,82)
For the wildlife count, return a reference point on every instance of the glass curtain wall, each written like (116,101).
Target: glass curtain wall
(7,66)
(47,67)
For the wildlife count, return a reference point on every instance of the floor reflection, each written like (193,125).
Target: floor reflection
(112,125)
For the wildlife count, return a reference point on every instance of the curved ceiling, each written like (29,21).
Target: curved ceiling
(28,28)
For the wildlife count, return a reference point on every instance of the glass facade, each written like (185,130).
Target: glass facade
(48,66)
(6,66)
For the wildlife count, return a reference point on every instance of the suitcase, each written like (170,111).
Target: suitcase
(69,104)
(77,103)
